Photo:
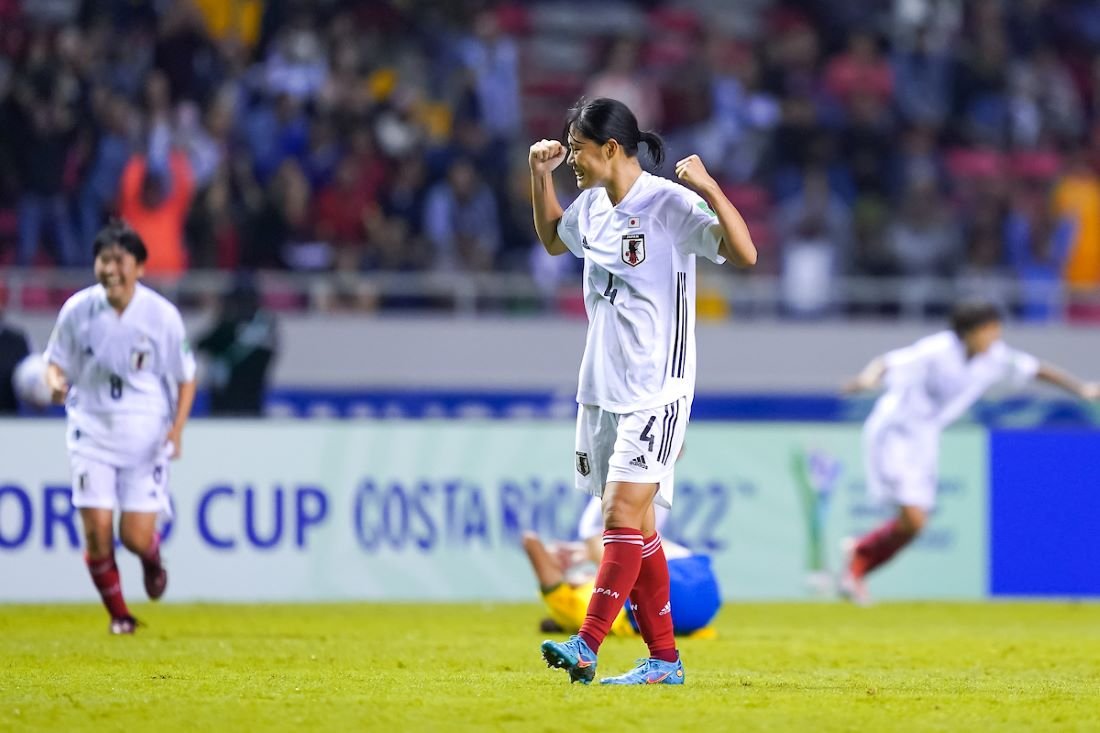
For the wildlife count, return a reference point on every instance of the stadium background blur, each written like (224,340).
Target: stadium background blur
(886,154)
(336,194)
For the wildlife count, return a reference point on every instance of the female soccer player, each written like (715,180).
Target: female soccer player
(929,385)
(123,350)
(638,235)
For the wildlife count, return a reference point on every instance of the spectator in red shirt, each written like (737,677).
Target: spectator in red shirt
(343,206)
(860,69)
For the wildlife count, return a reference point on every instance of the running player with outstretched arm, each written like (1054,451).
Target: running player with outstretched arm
(930,385)
(639,235)
(119,360)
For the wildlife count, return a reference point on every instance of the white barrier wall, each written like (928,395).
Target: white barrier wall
(434,510)
(544,353)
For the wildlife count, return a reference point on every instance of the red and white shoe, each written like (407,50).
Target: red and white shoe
(852,585)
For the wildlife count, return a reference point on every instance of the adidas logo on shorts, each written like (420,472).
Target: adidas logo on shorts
(639,462)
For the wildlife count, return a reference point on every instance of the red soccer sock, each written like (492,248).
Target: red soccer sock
(105,576)
(650,602)
(622,559)
(878,546)
(150,559)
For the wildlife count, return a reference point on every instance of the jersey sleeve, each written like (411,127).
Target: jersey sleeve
(908,364)
(569,229)
(180,364)
(696,228)
(1019,367)
(61,348)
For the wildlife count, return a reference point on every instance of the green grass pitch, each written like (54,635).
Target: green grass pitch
(790,667)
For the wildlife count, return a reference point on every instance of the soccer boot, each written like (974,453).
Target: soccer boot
(123,625)
(574,656)
(650,672)
(156,580)
(851,585)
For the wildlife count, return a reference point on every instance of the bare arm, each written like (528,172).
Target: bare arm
(544,157)
(57,382)
(547,569)
(183,411)
(868,379)
(1053,375)
(736,245)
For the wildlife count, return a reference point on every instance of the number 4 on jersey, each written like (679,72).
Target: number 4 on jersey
(610,291)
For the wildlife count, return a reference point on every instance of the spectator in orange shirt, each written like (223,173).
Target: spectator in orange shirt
(154,200)
(1077,198)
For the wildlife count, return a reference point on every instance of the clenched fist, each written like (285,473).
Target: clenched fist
(692,172)
(545,156)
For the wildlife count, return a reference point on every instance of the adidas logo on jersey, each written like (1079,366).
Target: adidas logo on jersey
(584,242)
(639,462)
(666,610)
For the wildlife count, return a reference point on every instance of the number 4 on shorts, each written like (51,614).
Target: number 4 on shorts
(647,435)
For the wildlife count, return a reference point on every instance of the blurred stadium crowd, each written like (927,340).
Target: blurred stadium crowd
(920,141)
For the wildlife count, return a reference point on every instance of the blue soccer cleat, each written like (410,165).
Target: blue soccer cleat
(574,656)
(650,672)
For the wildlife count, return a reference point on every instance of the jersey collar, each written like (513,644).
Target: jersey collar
(640,184)
(101,294)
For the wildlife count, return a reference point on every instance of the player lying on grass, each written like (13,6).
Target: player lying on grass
(117,358)
(566,573)
(566,578)
(638,235)
(930,385)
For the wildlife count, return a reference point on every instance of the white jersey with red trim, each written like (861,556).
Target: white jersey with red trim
(639,290)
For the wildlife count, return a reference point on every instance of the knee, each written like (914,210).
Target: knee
(134,541)
(911,523)
(98,544)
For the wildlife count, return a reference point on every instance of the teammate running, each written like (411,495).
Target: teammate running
(929,385)
(123,350)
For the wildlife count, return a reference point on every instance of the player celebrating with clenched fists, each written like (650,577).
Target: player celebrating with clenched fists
(638,235)
(123,350)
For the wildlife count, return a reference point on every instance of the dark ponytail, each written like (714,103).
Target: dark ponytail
(604,119)
(655,145)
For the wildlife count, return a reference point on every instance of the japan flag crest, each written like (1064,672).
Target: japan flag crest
(633,249)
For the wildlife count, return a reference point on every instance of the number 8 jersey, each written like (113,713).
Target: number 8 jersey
(123,370)
(639,290)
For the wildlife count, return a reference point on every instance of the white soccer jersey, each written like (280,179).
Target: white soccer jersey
(123,371)
(932,383)
(929,385)
(639,290)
